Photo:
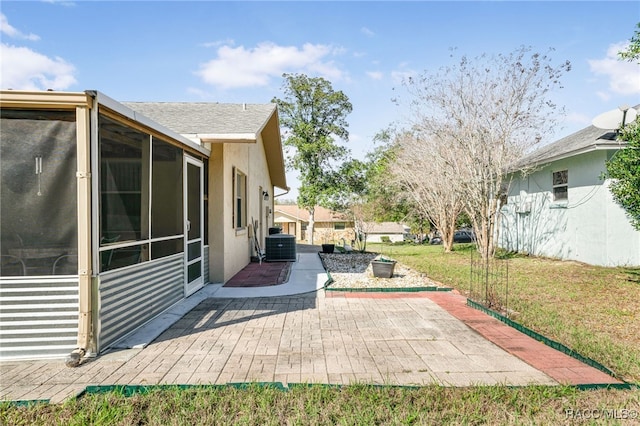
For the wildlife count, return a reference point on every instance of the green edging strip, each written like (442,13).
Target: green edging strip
(551,343)
(389,289)
(614,386)
(27,402)
(264,385)
(131,390)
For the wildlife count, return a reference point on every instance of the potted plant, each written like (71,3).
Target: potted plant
(382,267)
(328,246)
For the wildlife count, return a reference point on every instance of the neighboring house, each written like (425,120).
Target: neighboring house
(329,226)
(332,227)
(564,209)
(112,213)
(393,231)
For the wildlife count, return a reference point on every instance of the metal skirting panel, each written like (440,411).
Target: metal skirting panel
(205,259)
(38,317)
(132,296)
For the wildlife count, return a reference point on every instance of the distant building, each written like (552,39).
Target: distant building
(564,209)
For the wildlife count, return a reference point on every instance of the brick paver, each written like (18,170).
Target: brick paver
(399,340)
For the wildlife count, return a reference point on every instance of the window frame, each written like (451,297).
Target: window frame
(140,248)
(239,197)
(559,180)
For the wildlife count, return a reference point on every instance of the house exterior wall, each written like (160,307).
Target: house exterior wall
(588,227)
(377,238)
(230,248)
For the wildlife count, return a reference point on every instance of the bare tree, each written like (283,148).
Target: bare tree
(489,111)
(423,166)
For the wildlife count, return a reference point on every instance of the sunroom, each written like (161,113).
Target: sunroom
(102,222)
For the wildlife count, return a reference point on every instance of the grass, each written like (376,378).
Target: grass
(328,405)
(593,310)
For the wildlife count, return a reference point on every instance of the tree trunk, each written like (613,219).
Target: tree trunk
(311,226)
(447,236)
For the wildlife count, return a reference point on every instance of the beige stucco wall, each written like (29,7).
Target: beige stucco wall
(231,249)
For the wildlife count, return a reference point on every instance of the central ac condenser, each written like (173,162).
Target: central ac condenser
(280,247)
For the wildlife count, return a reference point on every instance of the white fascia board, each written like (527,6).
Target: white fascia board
(595,147)
(228,137)
(136,116)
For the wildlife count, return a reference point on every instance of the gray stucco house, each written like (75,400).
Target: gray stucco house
(563,208)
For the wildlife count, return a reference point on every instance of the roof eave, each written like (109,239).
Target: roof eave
(564,155)
(144,120)
(225,137)
(273,150)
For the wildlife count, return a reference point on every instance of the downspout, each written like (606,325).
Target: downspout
(83,176)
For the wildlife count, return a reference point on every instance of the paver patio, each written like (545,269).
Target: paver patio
(293,339)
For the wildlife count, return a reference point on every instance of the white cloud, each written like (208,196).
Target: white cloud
(577,118)
(400,76)
(8,30)
(61,2)
(375,75)
(218,43)
(366,31)
(624,77)
(240,67)
(24,69)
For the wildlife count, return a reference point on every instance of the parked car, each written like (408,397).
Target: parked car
(464,236)
(459,236)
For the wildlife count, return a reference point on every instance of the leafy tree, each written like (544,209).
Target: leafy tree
(385,195)
(632,52)
(624,169)
(624,166)
(313,115)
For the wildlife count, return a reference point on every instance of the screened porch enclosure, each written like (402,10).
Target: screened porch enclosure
(38,211)
(93,222)
(141,196)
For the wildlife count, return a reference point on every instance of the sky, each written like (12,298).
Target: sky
(213,51)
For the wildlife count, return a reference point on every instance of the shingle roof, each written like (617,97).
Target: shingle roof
(207,117)
(386,228)
(588,139)
(214,122)
(320,214)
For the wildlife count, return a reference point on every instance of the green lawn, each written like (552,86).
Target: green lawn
(324,405)
(593,310)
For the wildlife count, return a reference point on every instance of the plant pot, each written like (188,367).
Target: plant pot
(382,269)
(328,248)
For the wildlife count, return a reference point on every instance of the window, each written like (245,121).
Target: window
(166,190)
(38,219)
(124,173)
(240,199)
(205,196)
(503,196)
(166,199)
(339,226)
(141,196)
(560,185)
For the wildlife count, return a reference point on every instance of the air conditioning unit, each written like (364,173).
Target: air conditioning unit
(280,248)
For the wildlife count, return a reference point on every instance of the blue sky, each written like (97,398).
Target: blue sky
(237,51)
